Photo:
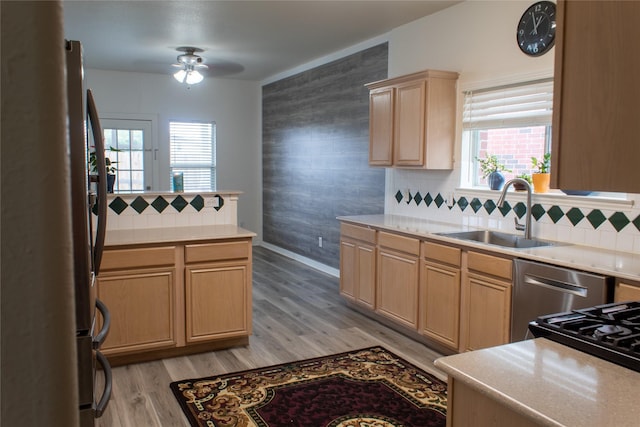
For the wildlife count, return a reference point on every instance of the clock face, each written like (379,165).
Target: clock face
(537,28)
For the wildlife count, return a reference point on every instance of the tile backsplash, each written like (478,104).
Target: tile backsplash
(154,210)
(566,219)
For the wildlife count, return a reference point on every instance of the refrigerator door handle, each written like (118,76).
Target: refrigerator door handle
(106,324)
(101,165)
(108,384)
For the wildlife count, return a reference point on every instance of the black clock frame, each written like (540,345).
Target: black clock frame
(540,43)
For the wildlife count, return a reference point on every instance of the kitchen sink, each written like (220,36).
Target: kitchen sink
(499,239)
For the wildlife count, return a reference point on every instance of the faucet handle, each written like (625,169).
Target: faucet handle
(519,227)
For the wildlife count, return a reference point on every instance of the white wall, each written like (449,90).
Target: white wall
(234,105)
(478,40)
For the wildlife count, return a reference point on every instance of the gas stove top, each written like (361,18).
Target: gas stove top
(609,331)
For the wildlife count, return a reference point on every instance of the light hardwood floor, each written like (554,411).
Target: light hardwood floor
(297,314)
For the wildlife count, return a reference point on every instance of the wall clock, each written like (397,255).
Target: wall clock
(537,28)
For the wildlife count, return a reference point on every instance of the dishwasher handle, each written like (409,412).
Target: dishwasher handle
(555,285)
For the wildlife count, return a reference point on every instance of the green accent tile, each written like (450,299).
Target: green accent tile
(476,204)
(139,204)
(463,203)
(399,196)
(439,200)
(489,206)
(220,203)
(198,203)
(505,209)
(118,205)
(537,211)
(596,218)
(417,198)
(636,222)
(428,199)
(179,203)
(159,204)
(619,221)
(575,215)
(555,213)
(520,209)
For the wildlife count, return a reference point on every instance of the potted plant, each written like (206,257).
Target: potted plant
(540,176)
(492,169)
(520,187)
(110,165)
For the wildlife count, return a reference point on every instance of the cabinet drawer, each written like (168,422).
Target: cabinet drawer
(216,251)
(442,253)
(399,243)
(359,233)
(492,265)
(119,259)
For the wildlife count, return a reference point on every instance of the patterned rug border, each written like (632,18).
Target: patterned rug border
(175,385)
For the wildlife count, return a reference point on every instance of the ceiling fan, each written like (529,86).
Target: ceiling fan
(188,63)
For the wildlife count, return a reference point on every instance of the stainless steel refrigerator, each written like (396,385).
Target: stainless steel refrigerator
(87,207)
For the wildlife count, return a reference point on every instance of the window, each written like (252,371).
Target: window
(193,153)
(511,122)
(131,139)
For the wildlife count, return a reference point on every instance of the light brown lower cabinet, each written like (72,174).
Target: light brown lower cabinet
(358,264)
(468,407)
(626,290)
(485,309)
(168,298)
(439,303)
(453,296)
(397,282)
(217,294)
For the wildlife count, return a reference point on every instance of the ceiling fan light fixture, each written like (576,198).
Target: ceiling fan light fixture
(188,62)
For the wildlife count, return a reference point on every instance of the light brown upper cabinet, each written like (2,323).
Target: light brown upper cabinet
(412,120)
(596,91)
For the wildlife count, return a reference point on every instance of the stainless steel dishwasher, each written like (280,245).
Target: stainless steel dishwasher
(541,289)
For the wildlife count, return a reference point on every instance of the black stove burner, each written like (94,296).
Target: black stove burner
(609,331)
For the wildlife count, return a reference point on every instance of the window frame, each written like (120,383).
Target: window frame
(186,166)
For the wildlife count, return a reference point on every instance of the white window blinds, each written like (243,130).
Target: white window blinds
(523,104)
(193,153)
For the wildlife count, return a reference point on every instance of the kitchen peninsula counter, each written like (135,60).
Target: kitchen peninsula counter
(149,236)
(623,265)
(539,383)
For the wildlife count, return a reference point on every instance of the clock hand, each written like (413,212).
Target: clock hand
(535,24)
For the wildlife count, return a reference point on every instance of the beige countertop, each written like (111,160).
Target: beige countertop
(619,264)
(552,384)
(143,236)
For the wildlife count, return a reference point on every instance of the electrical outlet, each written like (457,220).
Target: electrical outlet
(320,242)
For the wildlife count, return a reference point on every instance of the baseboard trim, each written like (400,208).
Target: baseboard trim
(307,261)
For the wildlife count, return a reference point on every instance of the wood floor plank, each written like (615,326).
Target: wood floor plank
(298,314)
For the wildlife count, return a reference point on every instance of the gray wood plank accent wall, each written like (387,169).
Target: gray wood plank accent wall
(315,136)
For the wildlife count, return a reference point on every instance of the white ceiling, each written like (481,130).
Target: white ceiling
(250,40)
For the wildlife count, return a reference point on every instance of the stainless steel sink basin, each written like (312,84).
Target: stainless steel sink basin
(499,239)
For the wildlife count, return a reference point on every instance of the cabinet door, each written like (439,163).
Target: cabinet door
(397,287)
(348,268)
(381,127)
(366,281)
(218,303)
(596,91)
(440,303)
(486,312)
(142,306)
(409,126)
(627,292)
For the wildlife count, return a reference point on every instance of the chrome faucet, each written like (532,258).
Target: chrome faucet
(526,228)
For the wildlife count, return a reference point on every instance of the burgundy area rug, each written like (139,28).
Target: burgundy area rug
(371,387)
